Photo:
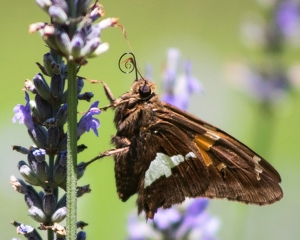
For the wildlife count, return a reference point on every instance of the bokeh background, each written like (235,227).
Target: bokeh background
(209,34)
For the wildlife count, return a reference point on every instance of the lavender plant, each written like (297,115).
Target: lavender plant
(189,220)
(51,160)
(269,81)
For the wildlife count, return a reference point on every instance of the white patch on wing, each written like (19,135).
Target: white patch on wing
(190,155)
(162,165)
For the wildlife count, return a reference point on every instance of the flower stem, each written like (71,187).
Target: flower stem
(50,234)
(72,152)
(72,139)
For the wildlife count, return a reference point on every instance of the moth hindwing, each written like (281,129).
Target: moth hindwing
(165,154)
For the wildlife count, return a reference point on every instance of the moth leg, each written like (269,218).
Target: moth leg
(108,93)
(120,142)
(106,154)
(113,102)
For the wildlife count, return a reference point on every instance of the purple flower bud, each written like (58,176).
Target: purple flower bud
(59,215)
(21,149)
(50,122)
(80,84)
(82,7)
(28,232)
(76,46)
(57,86)
(32,198)
(37,214)
(62,4)
(18,185)
(90,47)
(61,115)
(43,108)
(28,174)
(81,148)
(108,22)
(82,190)
(42,86)
(44,4)
(32,161)
(87,96)
(59,174)
(62,146)
(42,168)
(102,48)
(87,121)
(48,64)
(29,86)
(63,43)
(53,138)
(50,35)
(81,235)
(49,202)
(57,14)
(93,32)
(39,155)
(23,114)
(80,170)
(38,26)
(96,12)
(39,136)
(81,224)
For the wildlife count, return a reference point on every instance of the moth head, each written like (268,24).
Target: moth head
(144,88)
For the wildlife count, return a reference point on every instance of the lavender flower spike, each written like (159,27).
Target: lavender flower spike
(87,121)
(23,114)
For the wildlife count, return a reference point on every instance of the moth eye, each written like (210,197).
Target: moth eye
(144,91)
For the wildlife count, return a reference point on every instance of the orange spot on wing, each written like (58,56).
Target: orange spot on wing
(203,144)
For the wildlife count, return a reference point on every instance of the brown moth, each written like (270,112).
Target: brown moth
(165,154)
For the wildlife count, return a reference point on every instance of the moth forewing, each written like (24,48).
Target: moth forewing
(170,154)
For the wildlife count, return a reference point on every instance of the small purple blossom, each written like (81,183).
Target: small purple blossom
(197,223)
(197,206)
(23,114)
(187,221)
(39,154)
(178,89)
(266,85)
(165,218)
(287,16)
(87,121)
(139,230)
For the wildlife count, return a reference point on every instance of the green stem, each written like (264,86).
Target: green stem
(72,139)
(72,152)
(50,234)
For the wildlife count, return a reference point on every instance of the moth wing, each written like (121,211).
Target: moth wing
(218,166)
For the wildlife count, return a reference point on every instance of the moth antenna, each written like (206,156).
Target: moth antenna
(129,66)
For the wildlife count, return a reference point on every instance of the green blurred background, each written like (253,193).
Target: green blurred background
(207,33)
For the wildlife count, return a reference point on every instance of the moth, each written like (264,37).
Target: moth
(164,154)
